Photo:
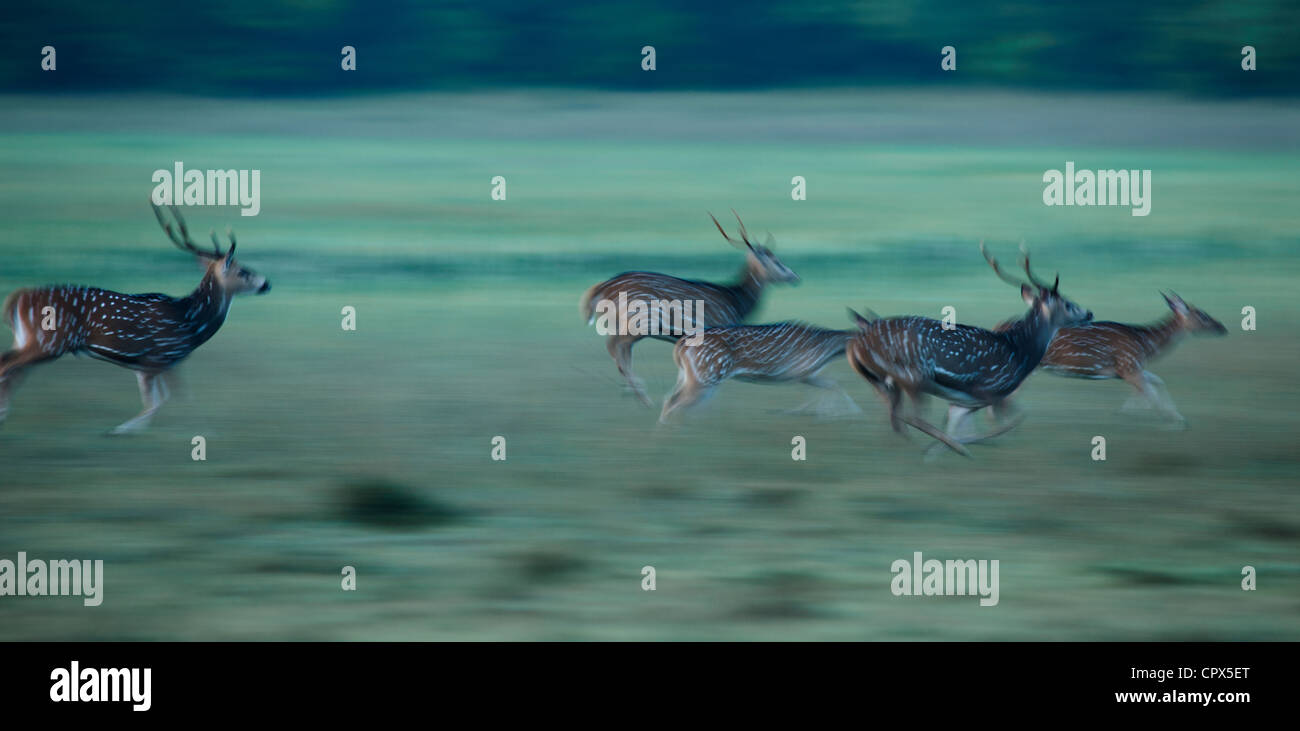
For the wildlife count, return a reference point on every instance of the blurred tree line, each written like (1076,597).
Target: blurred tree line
(292,47)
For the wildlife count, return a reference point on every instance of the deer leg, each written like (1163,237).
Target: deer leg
(15,361)
(898,417)
(957,416)
(893,398)
(925,426)
(162,392)
(1144,398)
(1006,418)
(152,395)
(957,419)
(12,365)
(1158,385)
(804,408)
(820,381)
(620,349)
(1139,401)
(1001,424)
(1150,386)
(848,406)
(8,374)
(1136,403)
(693,395)
(690,389)
(172,381)
(684,382)
(1163,401)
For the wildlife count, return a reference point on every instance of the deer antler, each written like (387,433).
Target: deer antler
(182,240)
(998,270)
(744,238)
(230,234)
(1024,259)
(744,235)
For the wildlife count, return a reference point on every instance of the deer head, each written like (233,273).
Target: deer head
(220,266)
(1043,300)
(1191,319)
(762,263)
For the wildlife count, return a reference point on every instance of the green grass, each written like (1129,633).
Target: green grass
(371,448)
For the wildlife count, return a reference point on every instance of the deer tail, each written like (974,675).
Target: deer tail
(585,308)
(862,320)
(11,303)
(855,361)
(679,352)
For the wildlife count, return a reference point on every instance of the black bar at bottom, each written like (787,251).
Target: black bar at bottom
(246,680)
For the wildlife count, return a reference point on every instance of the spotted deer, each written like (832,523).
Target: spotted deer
(665,298)
(148,333)
(970,367)
(1105,350)
(777,353)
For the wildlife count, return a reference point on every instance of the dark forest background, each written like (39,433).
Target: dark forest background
(254,47)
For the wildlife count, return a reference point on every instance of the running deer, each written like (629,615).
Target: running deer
(1104,350)
(969,367)
(148,333)
(647,304)
(783,352)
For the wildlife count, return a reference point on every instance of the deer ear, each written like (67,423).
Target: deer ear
(855,318)
(1175,302)
(230,258)
(1028,294)
(861,321)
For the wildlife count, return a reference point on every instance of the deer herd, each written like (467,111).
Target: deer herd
(969,367)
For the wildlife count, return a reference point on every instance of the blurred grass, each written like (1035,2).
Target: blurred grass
(320,440)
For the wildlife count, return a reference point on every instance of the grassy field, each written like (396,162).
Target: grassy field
(372,448)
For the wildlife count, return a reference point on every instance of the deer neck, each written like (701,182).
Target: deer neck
(747,290)
(205,308)
(1162,335)
(1030,337)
